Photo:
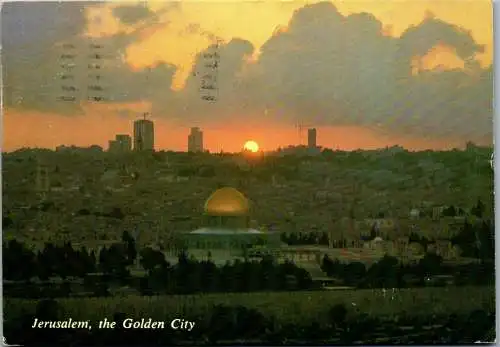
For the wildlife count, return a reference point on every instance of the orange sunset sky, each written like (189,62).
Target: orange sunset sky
(366,74)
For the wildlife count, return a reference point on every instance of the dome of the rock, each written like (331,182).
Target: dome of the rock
(227,201)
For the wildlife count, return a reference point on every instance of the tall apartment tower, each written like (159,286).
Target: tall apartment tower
(144,135)
(195,140)
(311,138)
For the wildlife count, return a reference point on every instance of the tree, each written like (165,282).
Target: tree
(374,231)
(383,273)
(131,247)
(222,323)
(250,323)
(327,265)
(466,240)
(430,264)
(19,262)
(478,209)
(83,212)
(337,315)
(209,276)
(354,273)
(268,273)
(206,171)
(114,260)
(152,259)
(324,239)
(449,212)
(486,240)
(48,261)
(304,280)
(117,213)
(46,206)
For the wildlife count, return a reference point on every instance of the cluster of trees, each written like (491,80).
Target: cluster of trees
(240,325)
(113,264)
(452,211)
(476,240)
(389,273)
(191,276)
(21,263)
(478,210)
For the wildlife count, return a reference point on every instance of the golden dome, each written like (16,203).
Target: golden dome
(227,202)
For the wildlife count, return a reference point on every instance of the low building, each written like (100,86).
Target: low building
(121,144)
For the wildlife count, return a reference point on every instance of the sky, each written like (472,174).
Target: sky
(366,74)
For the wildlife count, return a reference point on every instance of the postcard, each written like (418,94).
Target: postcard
(248,173)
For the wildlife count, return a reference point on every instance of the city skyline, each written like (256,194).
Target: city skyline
(416,78)
(301,140)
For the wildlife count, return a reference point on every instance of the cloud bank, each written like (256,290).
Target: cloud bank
(323,69)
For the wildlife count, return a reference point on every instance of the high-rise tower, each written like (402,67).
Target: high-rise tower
(311,138)
(144,136)
(195,140)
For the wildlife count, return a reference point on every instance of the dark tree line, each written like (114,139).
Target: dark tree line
(190,276)
(21,263)
(389,273)
(476,240)
(477,210)
(111,265)
(239,325)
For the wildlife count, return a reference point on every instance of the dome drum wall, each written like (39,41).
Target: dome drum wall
(221,241)
(234,241)
(232,222)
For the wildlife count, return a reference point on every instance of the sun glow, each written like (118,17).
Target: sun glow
(251,146)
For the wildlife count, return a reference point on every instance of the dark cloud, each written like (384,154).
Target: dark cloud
(417,40)
(188,106)
(131,14)
(330,69)
(37,24)
(28,36)
(152,83)
(33,62)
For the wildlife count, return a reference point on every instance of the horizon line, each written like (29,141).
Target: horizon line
(206,151)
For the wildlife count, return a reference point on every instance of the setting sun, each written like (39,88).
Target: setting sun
(251,146)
